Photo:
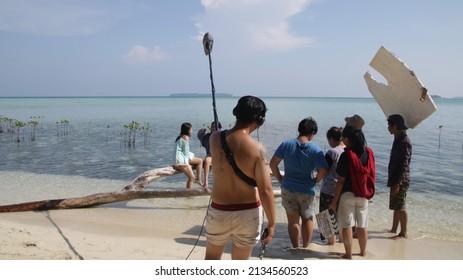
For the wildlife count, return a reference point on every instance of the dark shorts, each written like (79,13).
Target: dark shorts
(325,201)
(398,201)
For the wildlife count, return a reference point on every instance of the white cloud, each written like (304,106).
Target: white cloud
(258,25)
(62,18)
(140,55)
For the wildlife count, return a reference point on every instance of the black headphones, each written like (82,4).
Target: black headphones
(260,120)
(261,116)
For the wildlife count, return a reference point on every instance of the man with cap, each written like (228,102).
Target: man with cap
(399,174)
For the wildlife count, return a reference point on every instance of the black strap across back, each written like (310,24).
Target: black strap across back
(232,162)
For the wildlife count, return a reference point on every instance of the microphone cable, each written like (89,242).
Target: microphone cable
(200,232)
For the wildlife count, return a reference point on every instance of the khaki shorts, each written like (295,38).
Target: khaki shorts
(302,203)
(243,227)
(352,211)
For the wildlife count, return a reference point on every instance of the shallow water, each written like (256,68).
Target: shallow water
(93,157)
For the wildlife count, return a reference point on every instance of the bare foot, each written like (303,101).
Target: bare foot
(398,237)
(345,256)
(305,249)
(199,183)
(205,186)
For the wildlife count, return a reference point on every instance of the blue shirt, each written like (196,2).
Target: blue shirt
(301,160)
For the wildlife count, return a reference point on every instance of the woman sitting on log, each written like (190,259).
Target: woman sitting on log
(184,159)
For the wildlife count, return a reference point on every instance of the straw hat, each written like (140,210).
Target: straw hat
(355,121)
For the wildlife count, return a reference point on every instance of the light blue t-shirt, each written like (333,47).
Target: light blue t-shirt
(300,162)
(182,154)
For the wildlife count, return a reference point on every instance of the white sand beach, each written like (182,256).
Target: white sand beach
(132,233)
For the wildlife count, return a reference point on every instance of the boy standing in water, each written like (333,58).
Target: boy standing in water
(328,188)
(302,159)
(399,174)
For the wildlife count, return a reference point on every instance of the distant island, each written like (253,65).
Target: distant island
(435,96)
(199,95)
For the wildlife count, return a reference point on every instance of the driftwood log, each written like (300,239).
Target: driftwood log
(134,190)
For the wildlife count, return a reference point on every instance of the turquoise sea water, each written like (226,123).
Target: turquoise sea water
(93,148)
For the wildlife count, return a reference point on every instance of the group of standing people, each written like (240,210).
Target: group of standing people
(242,183)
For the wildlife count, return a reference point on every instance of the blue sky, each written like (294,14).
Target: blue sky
(261,47)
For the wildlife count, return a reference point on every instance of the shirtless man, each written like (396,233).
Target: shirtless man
(235,212)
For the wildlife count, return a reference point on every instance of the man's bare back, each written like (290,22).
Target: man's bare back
(228,188)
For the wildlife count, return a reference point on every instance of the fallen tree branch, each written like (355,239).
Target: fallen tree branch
(149,176)
(134,190)
(99,199)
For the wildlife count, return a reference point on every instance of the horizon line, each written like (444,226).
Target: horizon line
(180,95)
(200,95)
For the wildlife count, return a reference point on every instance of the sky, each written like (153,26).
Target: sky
(313,48)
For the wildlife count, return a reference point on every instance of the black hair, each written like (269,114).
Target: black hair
(397,120)
(184,130)
(307,127)
(356,138)
(250,109)
(219,125)
(334,133)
